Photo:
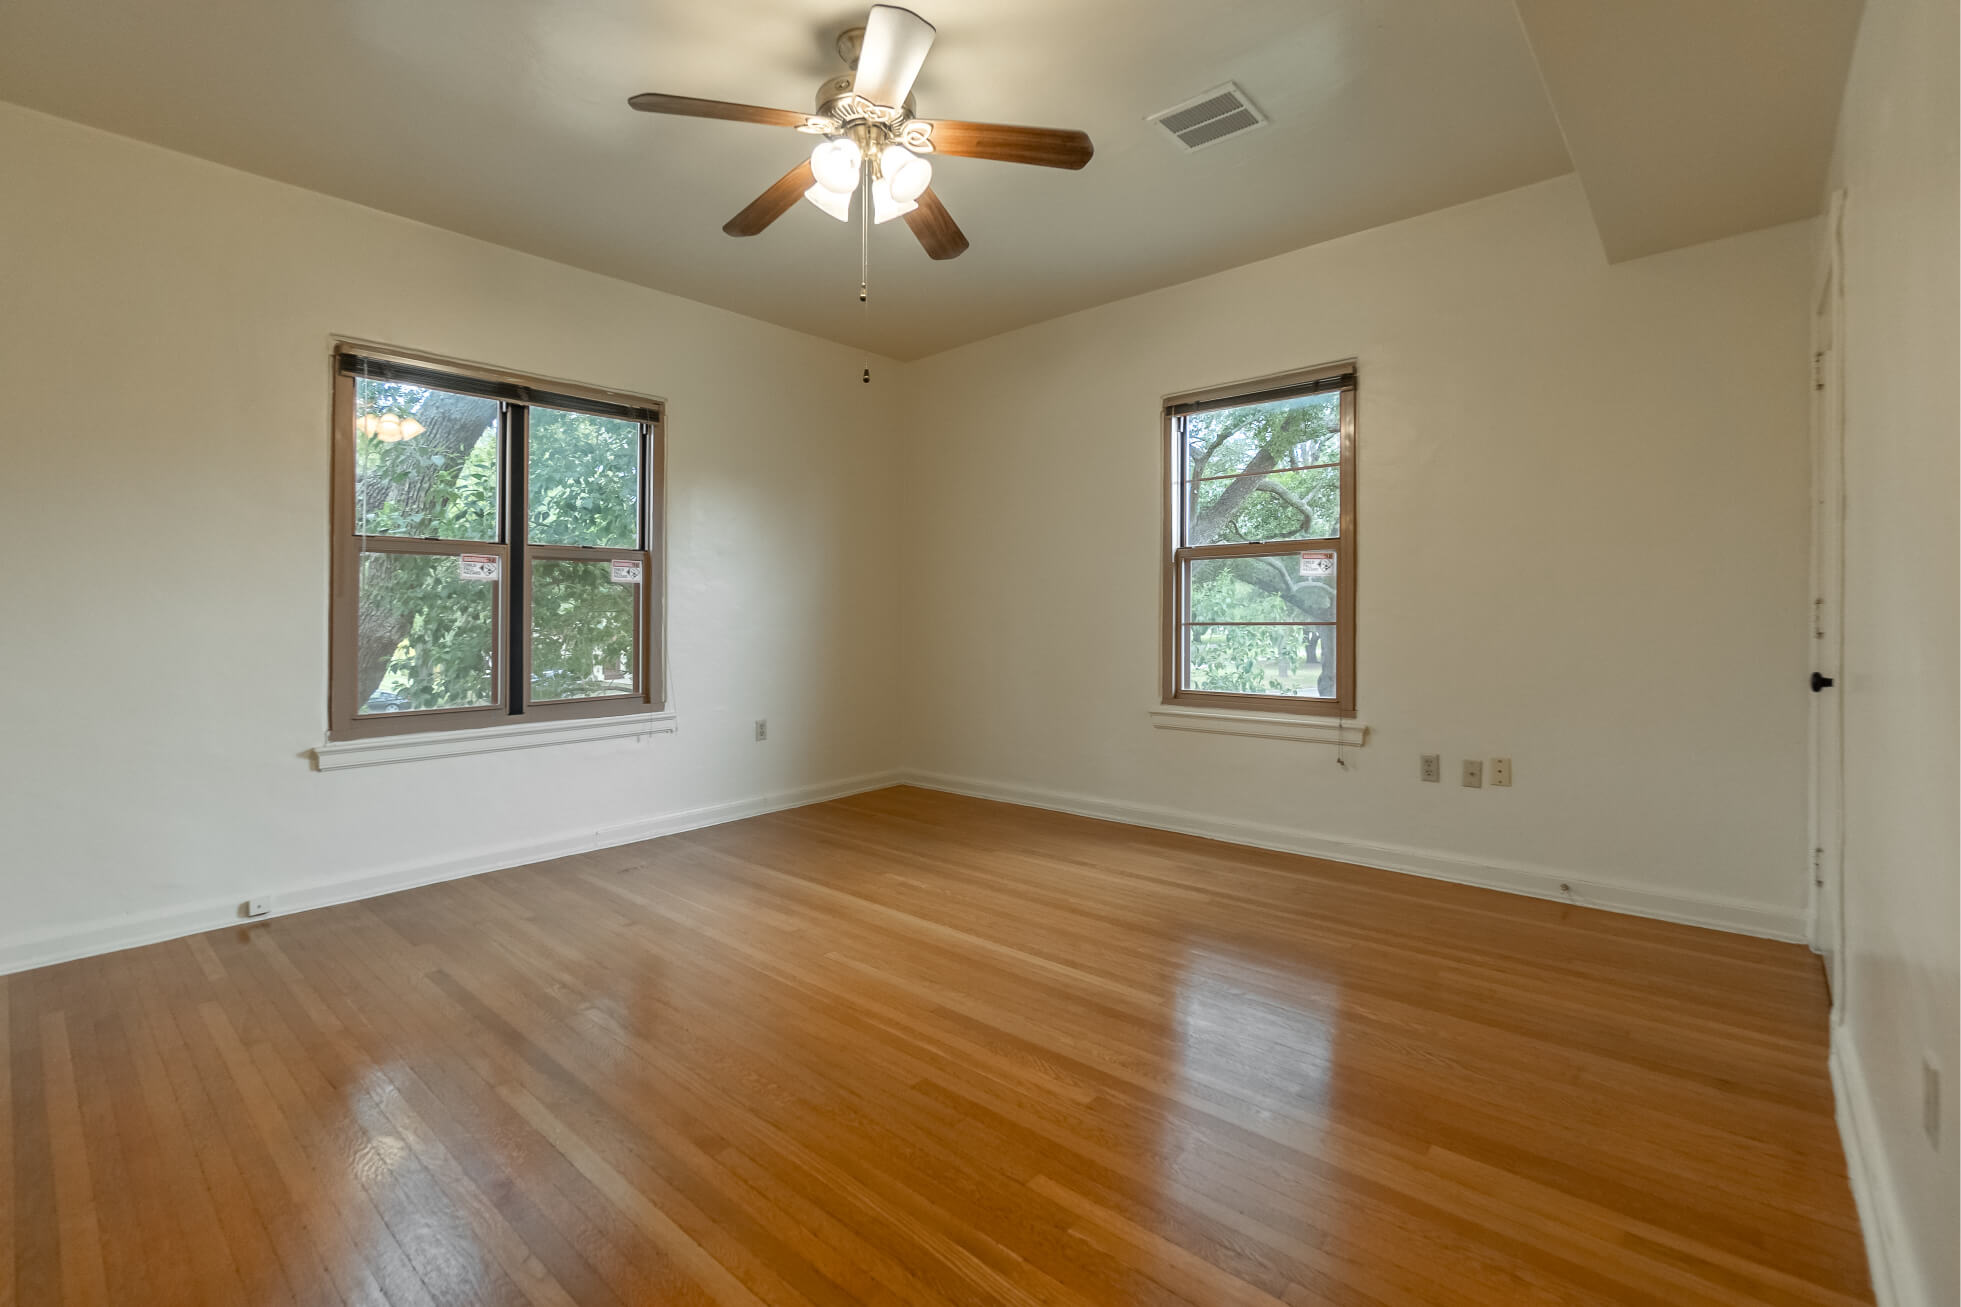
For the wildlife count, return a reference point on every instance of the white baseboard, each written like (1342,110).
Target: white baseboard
(44,948)
(1895,1277)
(1693,909)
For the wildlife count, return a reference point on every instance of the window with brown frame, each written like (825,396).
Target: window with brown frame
(496,548)
(1259,592)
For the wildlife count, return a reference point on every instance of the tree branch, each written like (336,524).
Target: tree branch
(1286,497)
(1206,528)
(1199,463)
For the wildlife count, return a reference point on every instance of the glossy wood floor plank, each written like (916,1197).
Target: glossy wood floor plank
(913,1050)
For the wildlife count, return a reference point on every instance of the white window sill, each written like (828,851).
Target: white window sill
(335,755)
(1271,726)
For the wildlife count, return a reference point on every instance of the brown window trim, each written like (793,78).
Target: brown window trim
(511,649)
(1177,554)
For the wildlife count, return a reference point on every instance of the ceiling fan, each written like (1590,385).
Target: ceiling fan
(873,146)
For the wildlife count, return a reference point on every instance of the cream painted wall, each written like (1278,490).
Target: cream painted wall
(164,327)
(1583,545)
(1897,163)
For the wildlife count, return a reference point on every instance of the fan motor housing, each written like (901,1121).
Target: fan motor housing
(837,101)
(833,90)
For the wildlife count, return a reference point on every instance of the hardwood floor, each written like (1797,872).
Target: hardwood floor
(909,1049)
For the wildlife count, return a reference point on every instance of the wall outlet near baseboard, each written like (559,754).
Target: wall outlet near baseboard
(255,908)
(1473,773)
(1501,771)
(1433,767)
(762,728)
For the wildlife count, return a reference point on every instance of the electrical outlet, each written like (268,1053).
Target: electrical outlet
(1433,767)
(1930,1100)
(1473,773)
(1501,771)
(762,728)
(256,907)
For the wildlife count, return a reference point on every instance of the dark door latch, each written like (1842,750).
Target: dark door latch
(1820,681)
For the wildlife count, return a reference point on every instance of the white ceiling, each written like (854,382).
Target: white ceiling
(507,120)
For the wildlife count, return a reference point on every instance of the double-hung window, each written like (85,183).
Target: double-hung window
(496,548)
(1260,571)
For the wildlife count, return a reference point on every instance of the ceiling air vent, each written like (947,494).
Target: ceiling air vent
(1221,112)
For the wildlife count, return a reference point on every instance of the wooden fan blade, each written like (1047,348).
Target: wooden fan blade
(689,107)
(773,203)
(1045,147)
(935,227)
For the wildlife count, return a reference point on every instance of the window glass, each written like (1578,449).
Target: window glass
(1300,432)
(583,480)
(1297,586)
(425,462)
(1263,624)
(1297,660)
(1304,504)
(582,628)
(428,626)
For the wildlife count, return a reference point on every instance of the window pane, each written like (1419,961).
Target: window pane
(1301,505)
(1259,437)
(582,630)
(427,633)
(1296,661)
(584,480)
(1290,587)
(425,462)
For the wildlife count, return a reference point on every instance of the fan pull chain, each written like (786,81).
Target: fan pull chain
(865,255)
(865,236)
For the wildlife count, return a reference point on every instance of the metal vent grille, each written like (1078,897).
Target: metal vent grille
(1221,112)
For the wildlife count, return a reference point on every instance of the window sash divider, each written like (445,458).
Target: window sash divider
(1258,548)
(516,646)
(586,553)
(1270,472)
(417,545)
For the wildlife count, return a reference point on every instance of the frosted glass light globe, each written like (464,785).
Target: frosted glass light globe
(835,203)
(885,205)
(909,174)
(835,164)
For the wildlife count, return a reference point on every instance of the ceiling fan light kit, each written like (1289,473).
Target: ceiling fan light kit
(835,203)
(885,205)
(873,142)
(908,173)
(835,163)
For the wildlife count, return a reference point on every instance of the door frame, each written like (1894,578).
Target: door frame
(1826,796)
